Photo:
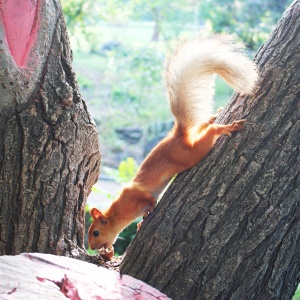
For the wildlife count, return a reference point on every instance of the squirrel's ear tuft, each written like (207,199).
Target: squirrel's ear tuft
(96,213)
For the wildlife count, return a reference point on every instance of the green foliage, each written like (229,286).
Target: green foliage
(84,82)
(297,294)
(137,76)
(102,192)
(75,11)
(169,16)
(223,93)
(125,171)
(250,20)
(124,238)
(130,72)
(88,221)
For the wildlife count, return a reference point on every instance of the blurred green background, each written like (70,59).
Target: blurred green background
(119,48)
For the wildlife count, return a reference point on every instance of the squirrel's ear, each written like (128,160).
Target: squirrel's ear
(96,213)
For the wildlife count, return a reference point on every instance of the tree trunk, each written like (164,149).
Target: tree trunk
(157,24)
(229,227)
(49,153)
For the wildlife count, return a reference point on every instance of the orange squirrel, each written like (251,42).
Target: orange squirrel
(189,78)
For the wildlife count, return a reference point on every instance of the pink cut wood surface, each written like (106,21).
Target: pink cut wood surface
(44,276)
(19,18)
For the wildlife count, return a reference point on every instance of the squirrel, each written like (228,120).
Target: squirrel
(189,75)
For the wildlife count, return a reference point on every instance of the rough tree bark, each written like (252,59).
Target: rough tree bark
(49,153)
(229,227)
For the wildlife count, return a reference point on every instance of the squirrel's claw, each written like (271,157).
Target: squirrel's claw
(145,216)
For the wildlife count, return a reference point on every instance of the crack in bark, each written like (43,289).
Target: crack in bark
(10,292)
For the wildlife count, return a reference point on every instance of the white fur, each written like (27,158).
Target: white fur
(189,76)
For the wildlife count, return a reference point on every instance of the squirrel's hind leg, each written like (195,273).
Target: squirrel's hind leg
(227,129)
(213,117)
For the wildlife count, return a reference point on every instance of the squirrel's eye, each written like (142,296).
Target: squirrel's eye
(96,233)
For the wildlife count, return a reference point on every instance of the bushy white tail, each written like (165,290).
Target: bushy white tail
(189,75)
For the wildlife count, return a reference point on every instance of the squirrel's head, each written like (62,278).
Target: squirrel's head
(101,233)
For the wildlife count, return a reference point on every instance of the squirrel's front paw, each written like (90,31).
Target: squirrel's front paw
(238,125)
(213,117)
(107,253)
(139,225)
(145,216)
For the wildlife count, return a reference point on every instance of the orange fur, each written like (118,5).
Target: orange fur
(188,142)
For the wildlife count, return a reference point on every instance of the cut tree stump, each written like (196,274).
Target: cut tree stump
(45,276)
